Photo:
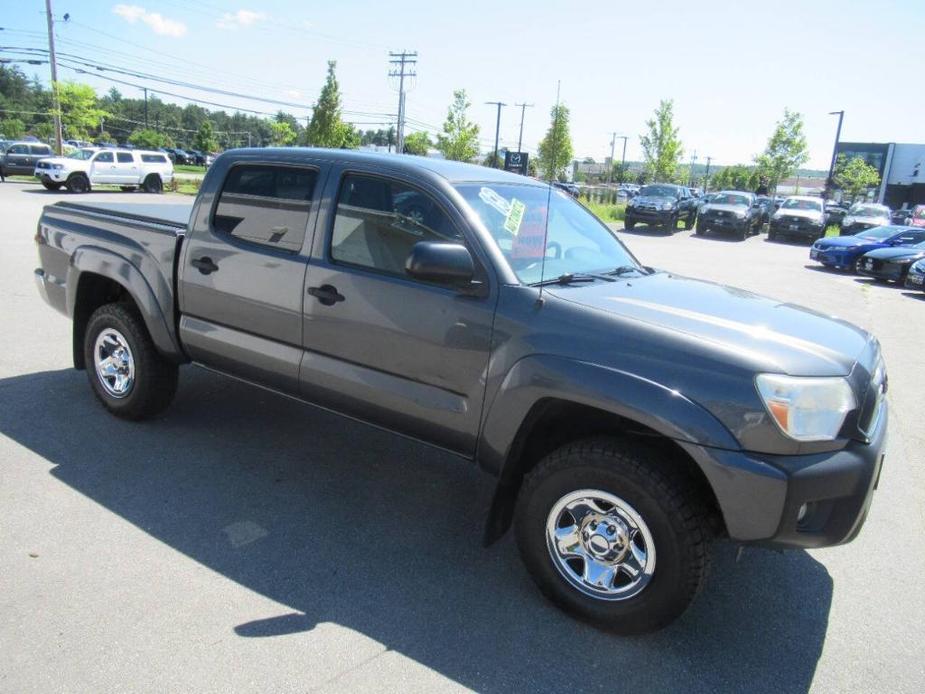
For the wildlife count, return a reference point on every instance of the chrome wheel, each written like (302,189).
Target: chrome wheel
(115,365)
(600,545)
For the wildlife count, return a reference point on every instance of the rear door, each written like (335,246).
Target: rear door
(126,171)
(243,271)
(380,345)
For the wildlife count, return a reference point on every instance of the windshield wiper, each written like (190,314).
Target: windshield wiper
(626,269)
(571,277)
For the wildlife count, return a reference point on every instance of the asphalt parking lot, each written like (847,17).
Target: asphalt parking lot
(245,543)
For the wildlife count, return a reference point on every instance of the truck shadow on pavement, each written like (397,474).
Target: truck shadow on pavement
(349,525)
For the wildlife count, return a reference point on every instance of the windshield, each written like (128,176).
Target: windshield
(878,233)
(811,205)
(869,211)
(659,191)
(81,154)
(576,241)
(729,199)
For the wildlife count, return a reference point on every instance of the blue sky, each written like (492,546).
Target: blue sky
(731,67)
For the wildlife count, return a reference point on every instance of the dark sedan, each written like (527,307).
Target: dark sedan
(844,252)
(915,278)
(891,264)
(730,211)
(863,216)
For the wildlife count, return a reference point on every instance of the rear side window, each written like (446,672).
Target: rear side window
(378,221)
(105,157)
(41,150)
(124,157)
(154,158)
(266,204)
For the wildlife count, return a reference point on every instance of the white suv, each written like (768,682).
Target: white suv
(127,168)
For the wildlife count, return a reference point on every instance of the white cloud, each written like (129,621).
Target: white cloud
(157,22)
(240,19)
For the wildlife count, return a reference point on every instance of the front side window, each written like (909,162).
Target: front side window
(104,158)
(124,157)
(574,240)
(266,204)
(378,221)
(19,149)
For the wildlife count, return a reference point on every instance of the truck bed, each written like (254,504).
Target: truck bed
(139,242)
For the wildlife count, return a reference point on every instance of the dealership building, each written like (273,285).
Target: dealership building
(901,167)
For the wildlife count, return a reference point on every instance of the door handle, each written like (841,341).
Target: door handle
(204,265)
(326,294)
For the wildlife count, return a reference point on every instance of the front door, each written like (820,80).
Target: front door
(18,161)
(103,168)
(243,272)
(379,345)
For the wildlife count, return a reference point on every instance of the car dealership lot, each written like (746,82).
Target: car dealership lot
(238,543)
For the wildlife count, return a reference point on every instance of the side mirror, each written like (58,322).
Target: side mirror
(445,263)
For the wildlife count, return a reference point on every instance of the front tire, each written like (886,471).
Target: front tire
(49,185)
(78,183)
(612,532)
(700,229)
(629,224)
(128,375)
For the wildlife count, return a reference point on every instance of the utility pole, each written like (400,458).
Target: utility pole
(499,104)
(690,174)
(400,61)
(145,90)
(56,101)
(613,143)
(829,183)
(623,160)
(706,176)
(520,138)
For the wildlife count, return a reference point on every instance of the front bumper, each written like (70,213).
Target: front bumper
(649,216)
(880,270)
(803,229)
(761,496)
(833,257)
(915,280)
(730,223)
(51,175)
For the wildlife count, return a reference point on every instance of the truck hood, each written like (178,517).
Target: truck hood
(653,199)
(712,207)
(67,162)
(847,242)
(805,214)
(758,332)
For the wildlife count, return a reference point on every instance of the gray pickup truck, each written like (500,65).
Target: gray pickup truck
(631,416)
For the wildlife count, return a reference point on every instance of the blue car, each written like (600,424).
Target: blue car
(844,252)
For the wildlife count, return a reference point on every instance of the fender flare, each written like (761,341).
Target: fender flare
(98,261)
(538,379)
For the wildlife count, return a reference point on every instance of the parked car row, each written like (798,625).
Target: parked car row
(889,253)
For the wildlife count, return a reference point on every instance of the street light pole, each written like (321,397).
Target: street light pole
(841,115)
(499,104)
(520,138)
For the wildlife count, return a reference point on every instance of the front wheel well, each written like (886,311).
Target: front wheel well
(553,423)
(93,291)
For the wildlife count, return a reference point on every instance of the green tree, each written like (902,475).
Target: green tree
(418,143)
(555,153)
(661,147)
(12,128)
(205,138)
(149,139)
(80,111)
(736,177)
(786,150)
(326,128)
(459,140)
(282,133)
(854,176)
(492,161)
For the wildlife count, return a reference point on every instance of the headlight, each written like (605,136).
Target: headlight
(57,167)
(848,221)
(667,205)
(806,409)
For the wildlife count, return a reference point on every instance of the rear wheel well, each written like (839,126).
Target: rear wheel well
(553,423)
(93,291)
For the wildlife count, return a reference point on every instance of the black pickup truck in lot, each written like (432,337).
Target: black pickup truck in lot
(631,416)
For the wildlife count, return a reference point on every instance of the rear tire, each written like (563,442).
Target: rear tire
(636,557)
(629,224)
(78,183)
(128,375)
(153,184)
